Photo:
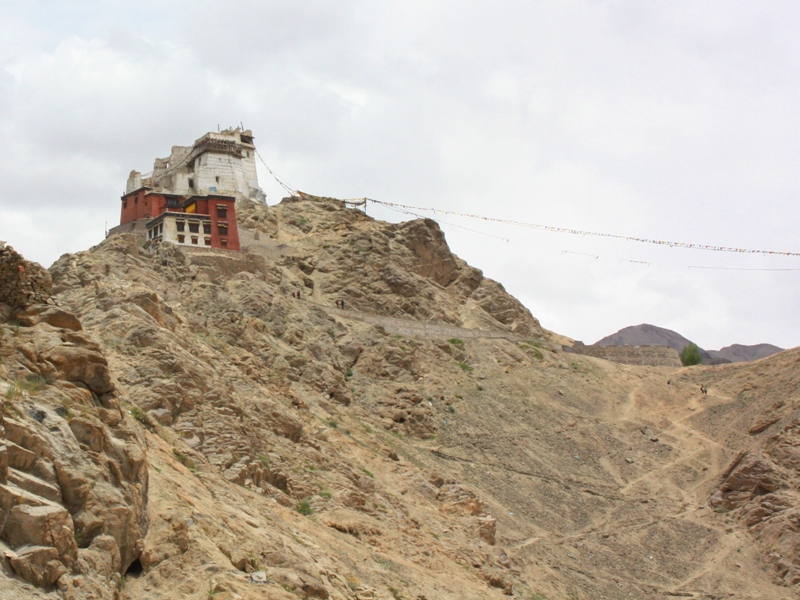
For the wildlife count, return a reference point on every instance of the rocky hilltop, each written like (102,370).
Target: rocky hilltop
(347,410)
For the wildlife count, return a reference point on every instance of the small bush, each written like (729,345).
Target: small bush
(690,355)
(465,367)
(34,383)
(325,494)
(367,472)
(14,392)
(185,460)
(457,342)
(395,594)
(304,508)
(138,414)
(332,423)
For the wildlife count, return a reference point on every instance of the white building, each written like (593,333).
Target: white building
(217,163)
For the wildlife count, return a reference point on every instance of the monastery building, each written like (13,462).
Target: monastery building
(189,199)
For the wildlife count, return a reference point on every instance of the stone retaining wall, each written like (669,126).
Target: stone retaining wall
(651,356)
(23,283)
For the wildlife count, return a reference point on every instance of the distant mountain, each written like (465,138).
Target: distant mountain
(741,353)
(650,335)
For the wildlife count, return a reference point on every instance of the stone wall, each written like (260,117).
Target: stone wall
(23,283)
(651,356)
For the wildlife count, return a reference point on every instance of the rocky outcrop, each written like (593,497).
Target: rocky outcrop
(73,474)
(23,283)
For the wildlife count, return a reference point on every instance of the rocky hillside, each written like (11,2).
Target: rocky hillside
(181,424)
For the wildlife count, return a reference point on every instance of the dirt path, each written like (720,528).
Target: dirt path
(419,329)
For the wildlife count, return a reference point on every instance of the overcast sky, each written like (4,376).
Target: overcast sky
(675,120)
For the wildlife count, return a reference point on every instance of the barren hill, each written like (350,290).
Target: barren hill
(182,426)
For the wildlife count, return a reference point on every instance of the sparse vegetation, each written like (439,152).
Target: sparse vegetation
(366,472)
(465,367)
(395,594)
(138,414)
(457,342)
(185,460)
(690,355)
(332,423)
(304,508)
(13,392)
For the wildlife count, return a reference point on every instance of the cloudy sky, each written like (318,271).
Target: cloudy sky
(675,120)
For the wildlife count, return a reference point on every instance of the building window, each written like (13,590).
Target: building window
(194,227)
(224,243)
(181,225)
(222,229)
(181,238)
(194,240)
(208,241)
(206,227)
(136,201)
(222,211)
(124,204)
(191,184)
(217,178)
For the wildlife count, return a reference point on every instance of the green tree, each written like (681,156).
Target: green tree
(690,355)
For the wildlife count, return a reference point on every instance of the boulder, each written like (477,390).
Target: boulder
(101,557)
(80,364)
(47,525)
(39,565)
(52,315)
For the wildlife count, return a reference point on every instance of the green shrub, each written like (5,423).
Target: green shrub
(14,392)
(367,472)
(185,460)
(304,508)
(465,367)
(690,355)
(457,342)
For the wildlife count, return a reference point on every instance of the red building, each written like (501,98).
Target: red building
(200,221)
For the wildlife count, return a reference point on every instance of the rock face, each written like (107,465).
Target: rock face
(72,467)
(349,411)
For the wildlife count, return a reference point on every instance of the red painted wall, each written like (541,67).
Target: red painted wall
(141,204)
